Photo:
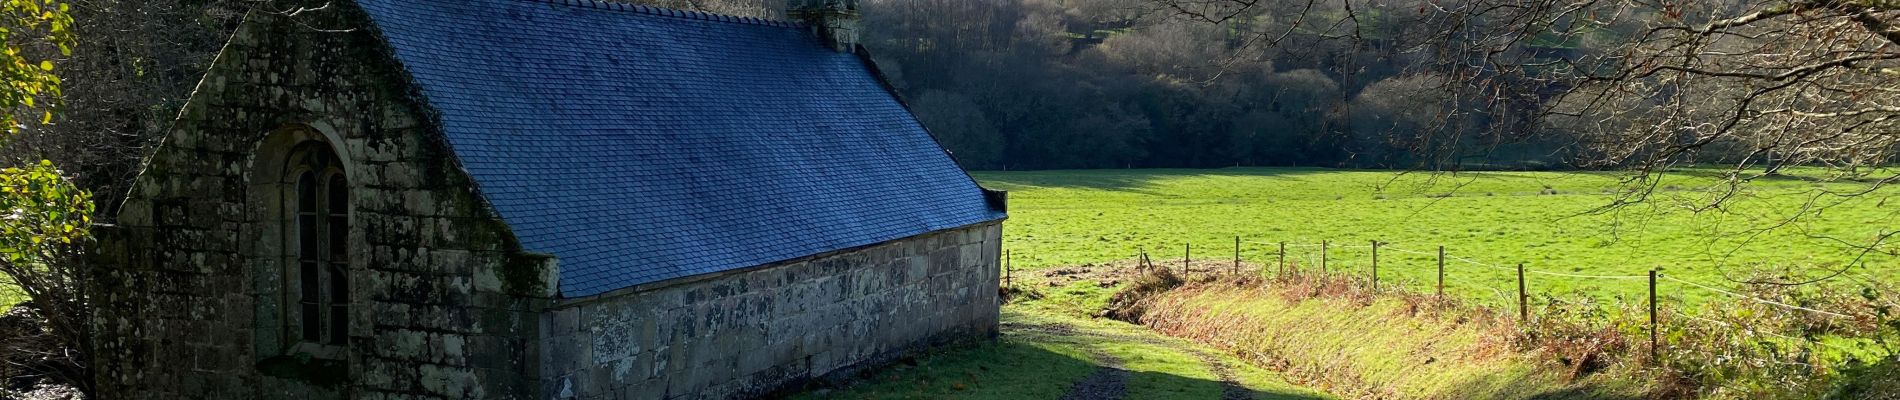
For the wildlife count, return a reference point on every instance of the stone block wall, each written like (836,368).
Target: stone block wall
(445,304)
(756,331)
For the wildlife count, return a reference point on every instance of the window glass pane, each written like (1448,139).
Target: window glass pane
(339,194)
(310,292)
(339,219)
(308,278)
(306,193)
(307,235)
(339,304)
(339,238)
(338,246)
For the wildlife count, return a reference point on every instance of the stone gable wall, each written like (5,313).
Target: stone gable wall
(438,310)
(445,303)
(756,331)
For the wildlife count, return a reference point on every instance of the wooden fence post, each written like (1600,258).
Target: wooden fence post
(1653,348)
(1187,260)
(1009,270)
(1236,255)
(1322,256)
(1375,265)
(1282,259)
(1523,297)
(1441,272)
(1141,258)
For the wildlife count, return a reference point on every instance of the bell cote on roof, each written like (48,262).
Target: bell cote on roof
(834,21)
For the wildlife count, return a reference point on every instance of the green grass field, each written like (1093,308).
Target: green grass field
(1542,219)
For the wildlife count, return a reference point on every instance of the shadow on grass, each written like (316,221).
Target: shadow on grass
(1581,393)
(1181,387)
(1000,369)
(1125,180)
(1535,386)
(1011,368)
(1720,173)
(1874,382)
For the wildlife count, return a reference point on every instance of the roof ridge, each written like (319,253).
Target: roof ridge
(669,12)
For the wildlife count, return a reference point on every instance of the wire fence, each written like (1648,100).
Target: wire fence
(1279,253)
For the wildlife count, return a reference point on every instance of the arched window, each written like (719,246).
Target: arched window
(318,283)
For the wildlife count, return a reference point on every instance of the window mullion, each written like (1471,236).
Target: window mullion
(336,249)
(309,280)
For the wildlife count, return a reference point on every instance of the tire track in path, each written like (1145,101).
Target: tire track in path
(1109,382)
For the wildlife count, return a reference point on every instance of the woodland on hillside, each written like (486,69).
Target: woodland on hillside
(1475,84)
(1056,84)
(1404,84)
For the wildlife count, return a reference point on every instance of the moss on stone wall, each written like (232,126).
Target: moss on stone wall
(525,274)
(193,278)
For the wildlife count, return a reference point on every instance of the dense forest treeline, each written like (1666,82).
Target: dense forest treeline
(1041,84)
(1037,84)
(1063,84)
(1426,84)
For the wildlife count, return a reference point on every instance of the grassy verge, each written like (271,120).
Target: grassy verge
(1353,340)
(1374,349)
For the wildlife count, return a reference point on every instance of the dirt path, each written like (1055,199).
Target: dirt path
(1109,382)
(1131,358)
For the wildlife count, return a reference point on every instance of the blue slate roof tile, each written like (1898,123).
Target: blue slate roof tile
(640,144)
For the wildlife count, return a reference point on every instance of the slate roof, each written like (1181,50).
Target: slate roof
(641,144)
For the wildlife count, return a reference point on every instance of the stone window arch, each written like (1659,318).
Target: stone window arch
(317,244)
(300,238)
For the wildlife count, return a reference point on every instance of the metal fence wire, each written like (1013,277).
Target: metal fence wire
(1315,256)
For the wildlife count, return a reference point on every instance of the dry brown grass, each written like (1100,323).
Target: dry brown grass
(1727,350)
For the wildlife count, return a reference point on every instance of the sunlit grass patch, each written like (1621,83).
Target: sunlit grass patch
(1541,219)
(1376,348)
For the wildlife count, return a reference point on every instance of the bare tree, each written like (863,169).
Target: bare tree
(1777,83)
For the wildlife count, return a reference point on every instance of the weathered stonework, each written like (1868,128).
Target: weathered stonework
(184,312)
(444,302)
(751,332)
